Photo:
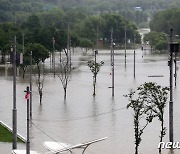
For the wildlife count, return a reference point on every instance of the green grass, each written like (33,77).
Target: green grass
(6,135)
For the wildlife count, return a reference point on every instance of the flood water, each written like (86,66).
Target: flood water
(83,117)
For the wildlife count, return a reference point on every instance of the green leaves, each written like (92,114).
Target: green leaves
(157,41)
(39,52)
(149,103)
(170,18)
(94,67)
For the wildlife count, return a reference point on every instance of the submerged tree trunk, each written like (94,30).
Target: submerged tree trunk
(39,84)
(65,93)
(162,133)
(40,96)
(94,86)
(136,128)
(24,71)
(3,57)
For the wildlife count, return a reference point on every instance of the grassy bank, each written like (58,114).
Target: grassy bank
(6,135)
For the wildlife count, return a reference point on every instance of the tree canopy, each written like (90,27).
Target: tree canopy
(165,20)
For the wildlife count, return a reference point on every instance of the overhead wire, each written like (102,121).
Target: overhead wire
(86,117)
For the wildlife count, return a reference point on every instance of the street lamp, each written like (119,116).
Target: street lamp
(30,84)
(95,53)
(14,111)
(174,48)
(28,141)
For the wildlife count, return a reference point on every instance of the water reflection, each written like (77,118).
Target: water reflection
(171,151)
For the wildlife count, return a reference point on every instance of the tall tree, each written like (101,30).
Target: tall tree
(164,20)
(95,68)
(39,55)
(64,73)
(156,97)
(150,102)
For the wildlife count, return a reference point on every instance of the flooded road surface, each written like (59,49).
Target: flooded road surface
(83,117)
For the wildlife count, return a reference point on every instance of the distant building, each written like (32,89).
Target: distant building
(138,8)
(100,43)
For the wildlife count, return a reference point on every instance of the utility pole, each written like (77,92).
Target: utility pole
(28,119)
(97,37)
(171,92)
(125,44)
(95,76)
(68,47)
(53,56)
(174,48)
(134,58)
(14,111)
(70,54)
(23,42)
(175,65)
(31,84)
(112,61)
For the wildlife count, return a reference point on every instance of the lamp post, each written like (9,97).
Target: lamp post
(175,69)
(134,58)
(112,61)
(112,64)
(174,48)
(95,54)
(28,141)
(14,111)
(53,56)
(31,84)
(68,46)
(171,94)
(175,65)
(125,44)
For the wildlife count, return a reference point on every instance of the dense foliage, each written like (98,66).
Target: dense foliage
(157,40)
(42,27)
(17,10)
(165,20)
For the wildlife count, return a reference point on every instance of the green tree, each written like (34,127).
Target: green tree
(90,27)
(157,41)
(141,113)
(31,29)
(156,97)
(85,43)
(95,68)
(64,73)
(150,102)
(7,33)
(164,20)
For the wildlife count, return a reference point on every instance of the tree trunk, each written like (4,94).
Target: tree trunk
(136,149)
(24,70)
(162,131)
(94,86)
(40,96)
(136,124)
(40,99)
(64,93)
(23,74)
(3,57)
(136,139)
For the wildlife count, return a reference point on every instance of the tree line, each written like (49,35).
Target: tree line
(84,30)
(19,10)
(160,26)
